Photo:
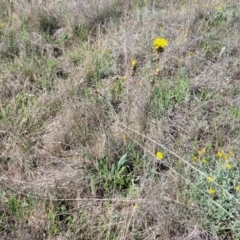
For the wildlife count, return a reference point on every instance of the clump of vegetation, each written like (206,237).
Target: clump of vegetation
(110,129)
(221,210)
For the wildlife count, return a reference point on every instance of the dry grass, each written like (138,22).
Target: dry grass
(79,128)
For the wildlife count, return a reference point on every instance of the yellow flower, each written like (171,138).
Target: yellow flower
(160,43)
(159,155)
(124,137)
(211,178)
(136,206)
(107,52)
(157,71)
(225,157)
(219,8)
(195,159)
(134,63)
(2,25)
(229,166)
(204,160)
(220,154)
(212,191)
(200,152)
(238,188)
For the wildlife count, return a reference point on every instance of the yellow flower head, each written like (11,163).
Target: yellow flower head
(219,8)
(136,206)
(134,63)
(2,25)
(204,160)
(195,159)
(211,178)
(225,157)
(157,71)
(159,155)
(229,166)
(220,154)
(238,188)
(212,191)
(160,43)
(107,52)
(200,152)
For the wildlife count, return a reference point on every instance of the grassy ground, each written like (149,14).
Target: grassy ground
(105,136)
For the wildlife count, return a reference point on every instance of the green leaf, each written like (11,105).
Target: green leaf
(122,161)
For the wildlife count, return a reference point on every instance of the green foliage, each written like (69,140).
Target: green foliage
(44,84)
(218,17)
(21,108)
(60,218)
(120,175)
(103,66)
(113,177)
(53,224)
(224,217)
(5,113)
(51,63)
(235,111)
(81,32)
(116,90)
(168,93)
(15,207)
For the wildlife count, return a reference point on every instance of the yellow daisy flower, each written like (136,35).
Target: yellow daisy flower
(195,159)
(229,166)
(160,43)
(220,154)
(159,155)
(212,191)
(237,188)
(225,157)
(200,152)
(134,63)
(204,160)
